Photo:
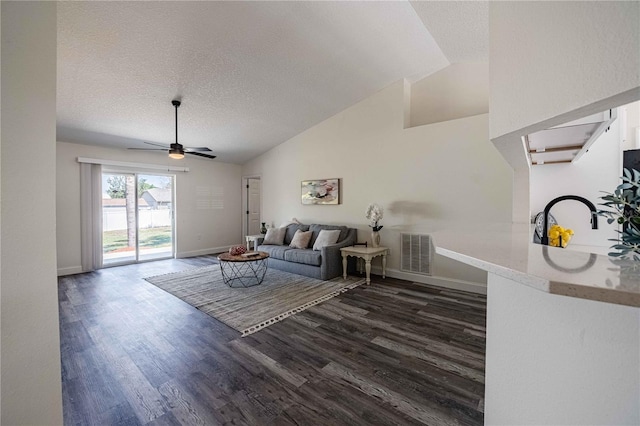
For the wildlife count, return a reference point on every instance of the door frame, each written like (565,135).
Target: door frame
(245,192)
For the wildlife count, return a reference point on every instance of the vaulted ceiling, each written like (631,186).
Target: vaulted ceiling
(250,74)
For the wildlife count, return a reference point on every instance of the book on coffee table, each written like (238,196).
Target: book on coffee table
(250,254)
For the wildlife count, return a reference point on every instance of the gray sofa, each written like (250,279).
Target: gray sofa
(322,264)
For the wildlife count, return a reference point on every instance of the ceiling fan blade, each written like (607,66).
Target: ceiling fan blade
(200,149)
(157,144)
(199,154)
(149,149)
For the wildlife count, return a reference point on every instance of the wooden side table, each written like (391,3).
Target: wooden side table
(253,238)
(366,254)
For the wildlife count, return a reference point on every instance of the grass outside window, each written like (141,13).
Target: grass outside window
(116,241)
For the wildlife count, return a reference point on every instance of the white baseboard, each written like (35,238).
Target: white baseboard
(78,269)
(203,252)
(69,270)
(469,286)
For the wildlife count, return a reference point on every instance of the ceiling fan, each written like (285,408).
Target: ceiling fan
(177,150)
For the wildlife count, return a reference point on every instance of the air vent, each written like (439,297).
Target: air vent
(416,254)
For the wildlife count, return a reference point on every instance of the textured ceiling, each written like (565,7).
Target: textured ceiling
(250,74)
(460,28)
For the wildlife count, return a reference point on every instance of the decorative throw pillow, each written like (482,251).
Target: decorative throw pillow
(301,239)
(275,236)
(326,238)
(291,231)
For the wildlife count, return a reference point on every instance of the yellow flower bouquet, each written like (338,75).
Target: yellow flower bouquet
(556,233)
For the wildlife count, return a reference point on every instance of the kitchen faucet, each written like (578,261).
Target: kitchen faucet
(545,230)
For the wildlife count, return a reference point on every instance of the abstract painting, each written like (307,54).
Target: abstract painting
(321,191)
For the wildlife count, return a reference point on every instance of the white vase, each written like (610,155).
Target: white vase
(375,239)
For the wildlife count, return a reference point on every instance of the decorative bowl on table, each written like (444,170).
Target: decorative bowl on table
(237,250)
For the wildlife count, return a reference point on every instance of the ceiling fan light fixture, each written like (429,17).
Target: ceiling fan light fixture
(176,154)
(176,151)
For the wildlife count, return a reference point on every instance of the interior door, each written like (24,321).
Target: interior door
(253,206)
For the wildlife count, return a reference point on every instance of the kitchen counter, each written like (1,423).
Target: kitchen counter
(507,251)
(553,359)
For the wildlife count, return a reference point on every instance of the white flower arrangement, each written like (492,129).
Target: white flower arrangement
(374,214)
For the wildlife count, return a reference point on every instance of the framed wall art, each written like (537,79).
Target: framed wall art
(320,191)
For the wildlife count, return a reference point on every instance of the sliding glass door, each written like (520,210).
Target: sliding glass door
(155,217)
(118,215)
(137,217)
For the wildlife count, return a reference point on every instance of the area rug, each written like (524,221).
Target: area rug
(251,309)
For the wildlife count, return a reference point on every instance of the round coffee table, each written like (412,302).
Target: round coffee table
(247,269)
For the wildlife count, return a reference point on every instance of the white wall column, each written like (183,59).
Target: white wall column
(556,360)
(30,380)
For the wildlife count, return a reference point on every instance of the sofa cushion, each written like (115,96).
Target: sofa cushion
(301,239)
(306,256)
(326,238)
(344,231)
(291,231)
(277,252)
(275,236)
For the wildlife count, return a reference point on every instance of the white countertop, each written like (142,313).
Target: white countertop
(506,250)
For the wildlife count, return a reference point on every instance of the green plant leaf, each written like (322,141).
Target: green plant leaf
(625,202)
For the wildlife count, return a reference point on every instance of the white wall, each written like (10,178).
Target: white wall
(457,91)
(551,58)
(554,62)
(427,177)
(555,360)
(30,371)
(596,171)
(201,225)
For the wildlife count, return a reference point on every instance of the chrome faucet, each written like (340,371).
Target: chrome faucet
(545,230)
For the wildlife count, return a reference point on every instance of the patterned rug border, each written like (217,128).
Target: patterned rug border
(264,324)
(299,309)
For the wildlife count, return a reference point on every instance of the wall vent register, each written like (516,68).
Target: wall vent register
(416,253)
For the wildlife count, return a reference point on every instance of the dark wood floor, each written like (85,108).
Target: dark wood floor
(392,353)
